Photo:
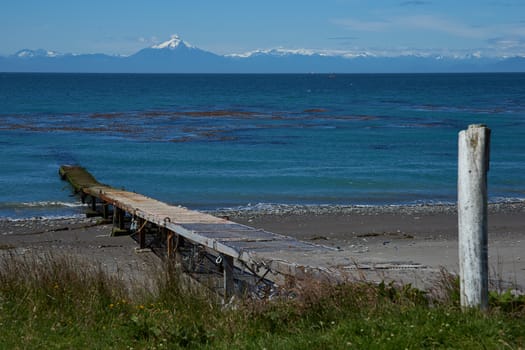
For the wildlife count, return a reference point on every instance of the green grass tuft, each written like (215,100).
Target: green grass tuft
(58,302)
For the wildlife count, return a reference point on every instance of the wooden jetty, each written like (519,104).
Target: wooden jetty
(263,254)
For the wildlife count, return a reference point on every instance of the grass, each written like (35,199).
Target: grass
(57,302)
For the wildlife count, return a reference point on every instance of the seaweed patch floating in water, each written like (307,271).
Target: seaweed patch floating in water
(225,140)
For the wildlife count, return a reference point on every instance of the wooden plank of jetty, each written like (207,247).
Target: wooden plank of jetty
(259,250)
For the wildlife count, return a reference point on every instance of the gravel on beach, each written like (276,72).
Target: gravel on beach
(411,235)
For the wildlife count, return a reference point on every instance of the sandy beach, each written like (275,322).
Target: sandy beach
(406,235)
(419,239)
(81,238)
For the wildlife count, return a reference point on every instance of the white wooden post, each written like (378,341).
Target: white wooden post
(473,164)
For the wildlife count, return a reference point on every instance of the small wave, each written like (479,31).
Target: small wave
(420,207)
(44,218)
(322,209)
(506,200)
(279,207)
(41,204)
(41,210)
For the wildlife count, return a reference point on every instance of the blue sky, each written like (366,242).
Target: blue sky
(389,27)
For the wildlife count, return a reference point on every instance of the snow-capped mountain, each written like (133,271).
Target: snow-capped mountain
(26,53)
(174,43)
(175,55)
(302,52)
(178,56)
(275,52)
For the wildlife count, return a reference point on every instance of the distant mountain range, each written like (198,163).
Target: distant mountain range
(177,56)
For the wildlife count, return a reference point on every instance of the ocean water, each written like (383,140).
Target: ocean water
(216,141)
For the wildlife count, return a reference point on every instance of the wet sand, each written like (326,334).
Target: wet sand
(424,236)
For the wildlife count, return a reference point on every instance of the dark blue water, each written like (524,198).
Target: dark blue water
(211,141)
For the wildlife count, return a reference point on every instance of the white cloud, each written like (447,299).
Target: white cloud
(508,43)
(491,39)
(415,3)
(437,24)
(148,41)
(416,22)
(363,26)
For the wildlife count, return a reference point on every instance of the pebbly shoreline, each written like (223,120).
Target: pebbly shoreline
(415,209)
(421,235)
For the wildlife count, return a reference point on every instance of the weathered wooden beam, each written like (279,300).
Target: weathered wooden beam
(93,203)
(141,224)
(473,165)
(105,211)
(179,243)
(118,222)
(169,243)
(229,283)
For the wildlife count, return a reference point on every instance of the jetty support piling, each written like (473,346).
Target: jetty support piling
(229,284)
(177,248)
(93,212)
(119,226)
(141,232)
(169,244)
(105,211)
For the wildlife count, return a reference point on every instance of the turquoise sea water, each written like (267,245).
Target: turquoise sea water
(214,141)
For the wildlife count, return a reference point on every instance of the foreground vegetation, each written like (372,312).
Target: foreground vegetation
(59,303)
